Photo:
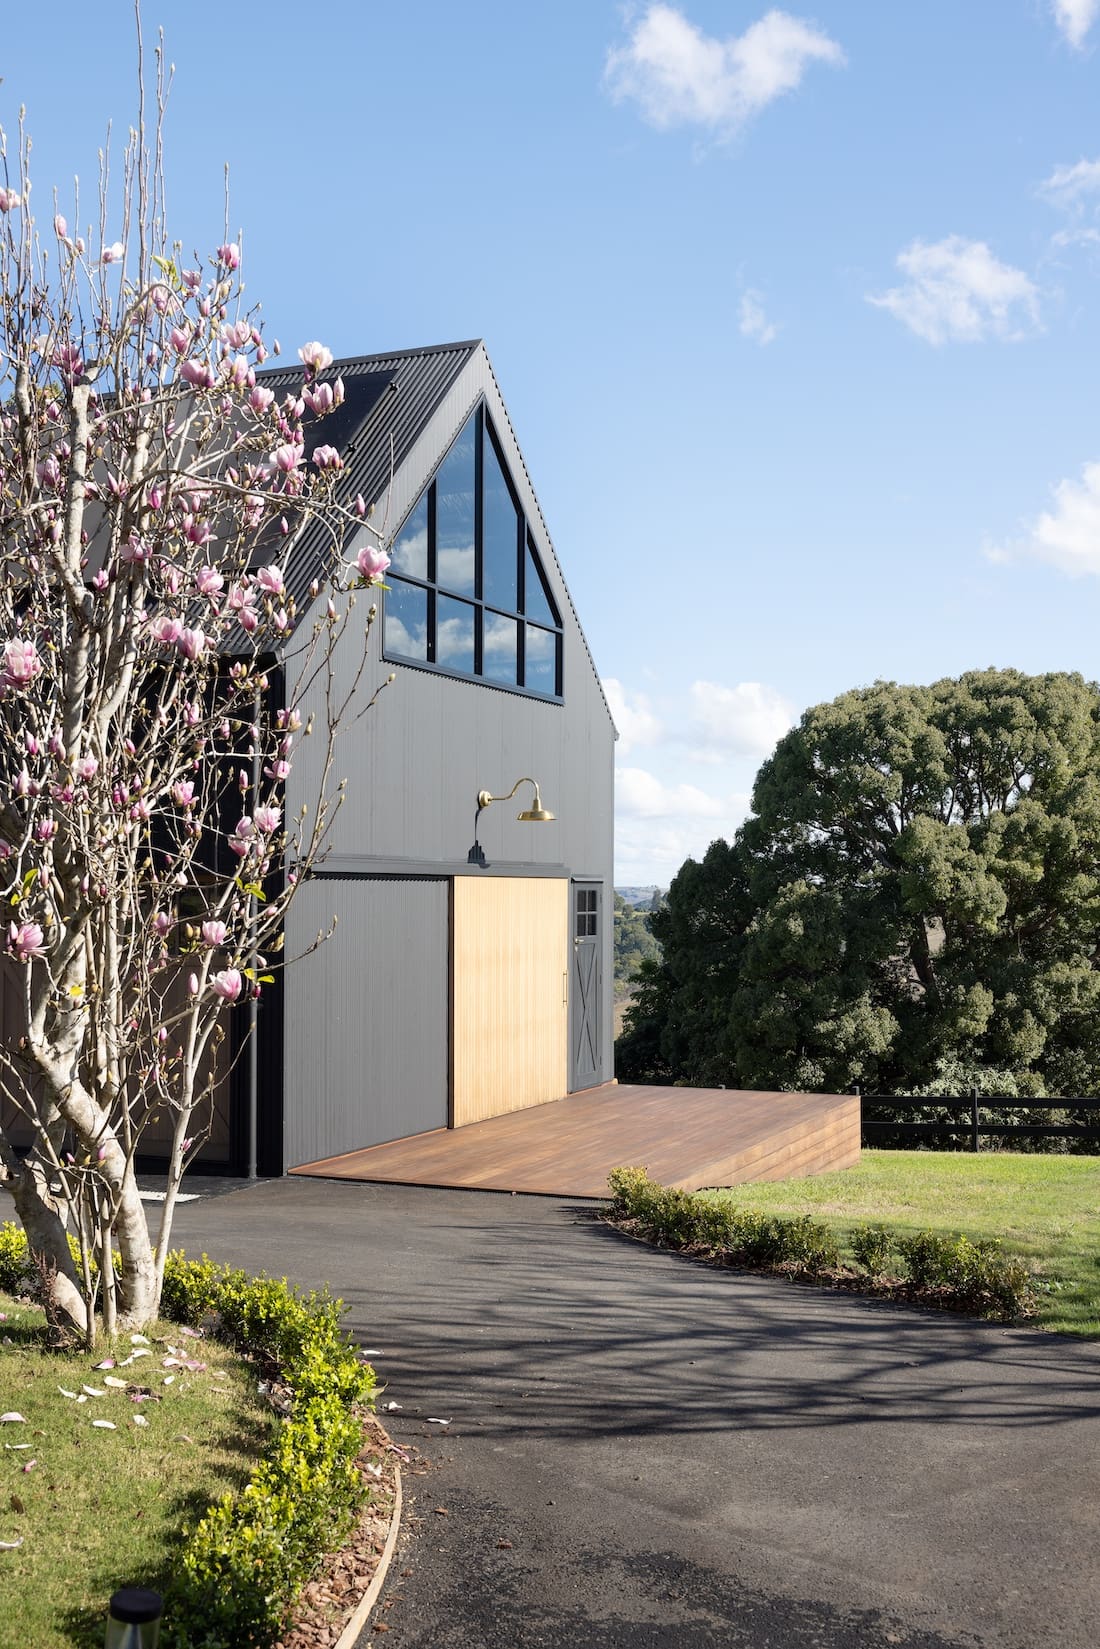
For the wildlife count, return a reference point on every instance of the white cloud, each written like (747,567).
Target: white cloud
(745,720)
(680,76)
(1068,534)
(1068,186)
(753,322)
(658,826)
(632,716)
(957,290)
(1075,18)
(641,795)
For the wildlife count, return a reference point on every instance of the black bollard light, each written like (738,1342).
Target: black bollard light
(133,1620)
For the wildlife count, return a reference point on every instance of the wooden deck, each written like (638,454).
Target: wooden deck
(690,1137)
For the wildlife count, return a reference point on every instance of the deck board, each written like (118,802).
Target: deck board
(689,1137)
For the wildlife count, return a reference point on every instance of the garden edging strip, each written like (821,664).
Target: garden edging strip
(350,1635)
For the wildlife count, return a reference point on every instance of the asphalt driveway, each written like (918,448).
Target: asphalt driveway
(644,1452)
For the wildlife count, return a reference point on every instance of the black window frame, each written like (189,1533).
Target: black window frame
(482,607)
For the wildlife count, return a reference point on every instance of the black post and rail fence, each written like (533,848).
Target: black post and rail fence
(972,1118)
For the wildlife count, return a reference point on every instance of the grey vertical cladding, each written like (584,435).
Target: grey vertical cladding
(367,1039)
(415,763)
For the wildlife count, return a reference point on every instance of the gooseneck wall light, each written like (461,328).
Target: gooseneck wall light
(535,814)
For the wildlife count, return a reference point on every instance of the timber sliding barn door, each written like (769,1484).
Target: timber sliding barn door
(510,987)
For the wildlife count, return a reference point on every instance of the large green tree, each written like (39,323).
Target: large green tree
(918,888)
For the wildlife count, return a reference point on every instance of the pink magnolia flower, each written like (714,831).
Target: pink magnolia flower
(196,529)
(141,812)
(241,371)
(372,563)
(230,255)
(48,471)
(162,923)
(288,456)
(9,200)
(237,334)
(260,398)
(21,665)
(209,581)
(183,794)
(214,933)
(248,620)
(193,984)
(46,830)
(278,770)
(191,643)
(25,940)
(180,339)
(199,373)
(192,279)
(327,458)
(167,630)
(240,597)
(227,984)
(113,253)
(270,580)
(315,357)
(321,398)
(267,819)
(85,768)
(69,361)
(60,227)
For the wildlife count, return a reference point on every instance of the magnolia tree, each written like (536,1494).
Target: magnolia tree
(151,488)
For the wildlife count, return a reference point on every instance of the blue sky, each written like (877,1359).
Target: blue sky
(796,311)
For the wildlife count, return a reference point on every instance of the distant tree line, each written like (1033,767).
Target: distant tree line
(634,941)
(913,905)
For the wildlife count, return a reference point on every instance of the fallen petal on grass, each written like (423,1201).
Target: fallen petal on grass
(105,1425)
(10,1545)
(12,1417)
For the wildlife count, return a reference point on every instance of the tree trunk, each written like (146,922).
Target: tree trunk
(138,1290)
(46,1238)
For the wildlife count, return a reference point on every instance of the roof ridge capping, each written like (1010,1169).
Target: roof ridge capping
(343,362)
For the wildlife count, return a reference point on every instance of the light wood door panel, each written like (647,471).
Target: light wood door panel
(510,1039)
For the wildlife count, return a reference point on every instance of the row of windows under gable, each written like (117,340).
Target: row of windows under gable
(467,593)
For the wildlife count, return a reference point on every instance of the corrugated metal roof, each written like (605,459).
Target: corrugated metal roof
(388,399)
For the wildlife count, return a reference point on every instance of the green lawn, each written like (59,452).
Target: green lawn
(1045,1209)
(102,1508)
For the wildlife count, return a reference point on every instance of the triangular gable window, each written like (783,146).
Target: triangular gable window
(468,594)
